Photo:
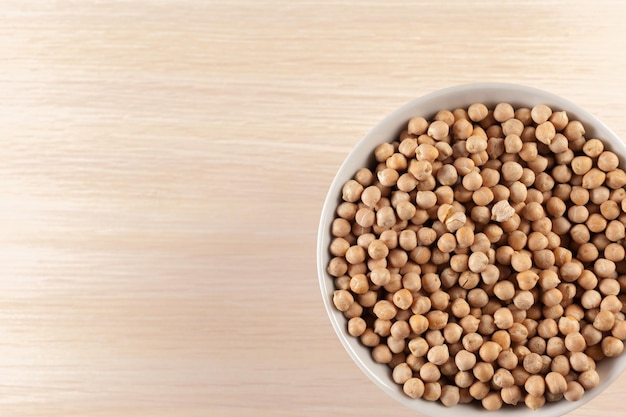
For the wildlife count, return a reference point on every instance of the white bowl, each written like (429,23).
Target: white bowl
(388,130)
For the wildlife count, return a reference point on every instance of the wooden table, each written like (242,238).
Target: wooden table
(162,171)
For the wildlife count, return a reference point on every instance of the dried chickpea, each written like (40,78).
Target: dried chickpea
(589,379)
(547,328)
(385,310)
(489,351)
(537,345)
(447,175)
(574,130)
(342,299)
(413,387)
(412,281)
(472,342)
(503,318)
(356,326)
(512,127)
(438,354)
(464,379)
(595,352)
(579,196)
(555,206)
(400,330)
(512,171)
(561,364)
(526,280)
(521,261)
(529,152)
(502,378)
(477,298)
(432,391)
(611,302)
(533,363)
(540,113)
(482,196)
(460,308)
(490,274)
(607,161)
(403,299)
(523,300)
(616,179)
(507,360)
(535,385)
(477,112)
(593,148)
(407,239)
(452,333)
(599,195)
(435,338)
(504,290)
(438,129)
(401,373)
(429,372)
(417,126)
(472,181)
(388,177)
(574,391)
(603,268)
(559,119)
(594,178)
(475,144)
(619,330)
(555,383)
(615,231)
(382,327)
(545,132)
(469,280)
(418,346)
(462,129)
(492,401)
(503,112)
(604,321)
(426,152)
(418,323)
(437,320)
(364,176)
(450,395)
(483,371)
(575,342)
(478,261)
(355,255)
(512,144)
(439,299)
(339,246)
(612,346)
(396,161)
(600,241)
(465,237)
(511,395)
(520,375)
(407,147)
(369,338)
(610,210)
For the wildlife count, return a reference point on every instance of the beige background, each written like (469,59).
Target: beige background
(162,170)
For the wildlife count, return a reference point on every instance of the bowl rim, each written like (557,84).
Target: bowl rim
(451,94)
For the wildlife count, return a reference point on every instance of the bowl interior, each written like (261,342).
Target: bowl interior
(386,131)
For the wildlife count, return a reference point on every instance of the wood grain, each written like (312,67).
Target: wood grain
(162,171)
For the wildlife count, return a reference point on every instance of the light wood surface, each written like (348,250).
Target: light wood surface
(162,171)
